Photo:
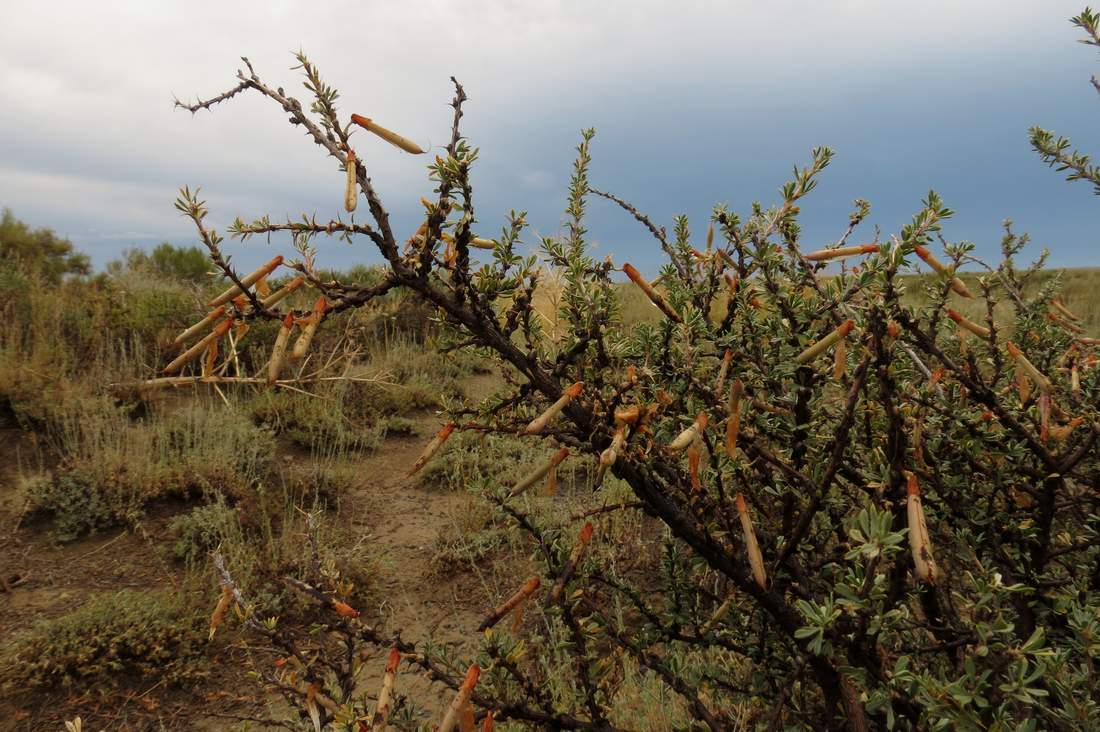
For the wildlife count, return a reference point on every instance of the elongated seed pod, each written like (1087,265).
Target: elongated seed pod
(433,447)
(756,559)
(385,696)
(278,352)
(822,255)
(733,422)
(840,360)
(816,349)
(1023,384)
(510,604)
(1063,309)
(450,719)
(1089,341)
(956,284)
(570,567)
(388,135)
(654,296)
(688,436)
(301,346)
(211,358)
(611,454)
(538,424)
(1033,373)
(283,292)
(732,283)
(723,371)
(924,565)
(1059,320)
(1044,418)
(219,611)
(248,281)
(212,317)
(351,189)
(978,330)
(1060,432)
(1074,378)
(695,454)
(717,616)
(262,288)
(311,705)
(487,723)
(196,350)
(540,472)
(342,608)
(628,415)
(550,488)
(476,242)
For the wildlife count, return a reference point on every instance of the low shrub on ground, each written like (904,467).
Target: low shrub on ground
(112,465)
(112,641)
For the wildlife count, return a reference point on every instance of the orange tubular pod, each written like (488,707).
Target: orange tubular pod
(388,135)
(1036,376)
(219,611)
(575,559)
(385,696)
(248,281)
(450,719)
(822,255)
(956,284)
(654,296)
(611,454)
(752,548)
(212,317)
(301,346)
(978,330)
(1057,304)
(816,349)
(538,424)
(689,435)
(510,604)
(196,350)
(433,447)
(924,566)
(540,473)
(278,352)
(723,371)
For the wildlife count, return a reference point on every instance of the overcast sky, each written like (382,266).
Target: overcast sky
(694,102)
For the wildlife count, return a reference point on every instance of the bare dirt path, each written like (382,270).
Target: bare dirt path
(402,520)
(406,521)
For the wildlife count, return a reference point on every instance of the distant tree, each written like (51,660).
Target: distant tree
(187,264)
(39,251)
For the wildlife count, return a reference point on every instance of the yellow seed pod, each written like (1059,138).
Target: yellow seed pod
(301,346)
(752,548)
(351,191)
(388,135)
(278,353)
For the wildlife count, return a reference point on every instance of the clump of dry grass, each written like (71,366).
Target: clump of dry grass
(112,465)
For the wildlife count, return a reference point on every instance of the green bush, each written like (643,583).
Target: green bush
(167,261)
(200,530)
(112,641)
(112,465)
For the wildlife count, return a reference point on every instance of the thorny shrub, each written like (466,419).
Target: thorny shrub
(877,514)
